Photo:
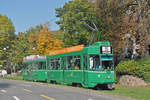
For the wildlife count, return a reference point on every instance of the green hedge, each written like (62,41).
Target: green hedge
(139,68)
(13,77)
(144,71)
(126,67)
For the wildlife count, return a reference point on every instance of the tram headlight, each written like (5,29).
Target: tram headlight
(98,75)
(108,77)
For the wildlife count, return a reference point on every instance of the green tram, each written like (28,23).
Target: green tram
(34,68)
(89,67)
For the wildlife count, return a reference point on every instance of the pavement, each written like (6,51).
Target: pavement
(22,90)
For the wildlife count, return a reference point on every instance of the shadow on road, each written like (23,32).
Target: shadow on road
(4,85)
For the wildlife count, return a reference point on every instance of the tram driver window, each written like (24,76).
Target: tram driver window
(107,65)
(94,61)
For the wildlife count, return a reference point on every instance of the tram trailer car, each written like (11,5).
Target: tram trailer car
(34,68)
(87,66)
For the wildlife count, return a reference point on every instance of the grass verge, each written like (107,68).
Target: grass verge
(139,93)
(13,77)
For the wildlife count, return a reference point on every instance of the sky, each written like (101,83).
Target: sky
(27,13)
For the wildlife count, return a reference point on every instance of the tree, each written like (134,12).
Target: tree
(32,34)
(46,41)
(20,49)
(75,19)
(138,32)
(112,14)
(7,37)
(126,25)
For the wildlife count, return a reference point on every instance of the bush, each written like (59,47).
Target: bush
(127,67)
(139,68)
(147,77)
(144,70)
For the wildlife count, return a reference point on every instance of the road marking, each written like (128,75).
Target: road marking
(27,90)
(47,97)
(13,86)
(4,91)
(26,85)
(16,98)
(90,99)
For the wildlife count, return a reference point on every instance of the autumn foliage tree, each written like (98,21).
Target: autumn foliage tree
(126,25)
(112,14)
(46,41)
(33,43)
(43,41)
(32,34)
(138,18)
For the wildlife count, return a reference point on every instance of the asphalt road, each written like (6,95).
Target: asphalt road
(21,90)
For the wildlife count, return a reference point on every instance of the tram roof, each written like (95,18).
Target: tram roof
(78,49)
(67,50)
(34,58)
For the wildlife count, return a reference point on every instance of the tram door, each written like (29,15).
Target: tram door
(30,71)
(63,68)
(85,73)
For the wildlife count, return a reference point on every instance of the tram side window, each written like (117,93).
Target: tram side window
(70,62)
(57,64)
(77,65)
(64,63)
(35,66)
(29,66)
(42,65)
(52,64)
(74,62)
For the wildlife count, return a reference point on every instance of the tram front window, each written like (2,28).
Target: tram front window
(107,65)
(94,61)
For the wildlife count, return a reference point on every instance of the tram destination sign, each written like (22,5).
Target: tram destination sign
(106,50)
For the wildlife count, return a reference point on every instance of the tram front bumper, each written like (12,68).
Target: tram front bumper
(100,78)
